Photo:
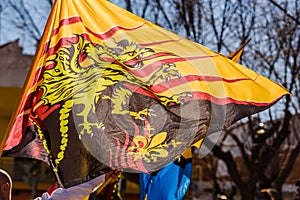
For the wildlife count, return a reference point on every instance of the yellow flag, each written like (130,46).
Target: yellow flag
(109,90)
(235,56)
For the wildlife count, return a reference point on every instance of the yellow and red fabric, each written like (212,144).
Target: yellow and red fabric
(102,72)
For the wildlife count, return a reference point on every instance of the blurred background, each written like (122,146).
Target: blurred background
(261,151)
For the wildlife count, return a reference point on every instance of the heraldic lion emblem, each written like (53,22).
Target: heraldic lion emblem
(83,69)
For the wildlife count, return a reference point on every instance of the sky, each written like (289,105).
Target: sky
(24,20)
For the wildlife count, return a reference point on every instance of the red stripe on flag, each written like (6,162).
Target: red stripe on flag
(198,95)
(64,41)
(108,34)
(103,36)
(228,100)
(64,22)
(123,153)
(154,66)
(117,152)
(140,166)
(72,20)
(164,86)
(110,159)
(159,42)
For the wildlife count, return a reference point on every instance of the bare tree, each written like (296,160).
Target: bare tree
(189,17)
(269,157)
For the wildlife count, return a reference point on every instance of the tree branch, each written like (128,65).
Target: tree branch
(230,163)
(285,11)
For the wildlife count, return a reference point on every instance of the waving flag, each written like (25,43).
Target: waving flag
(109,90)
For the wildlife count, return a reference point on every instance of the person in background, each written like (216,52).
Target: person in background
(77,192)
(6,185)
